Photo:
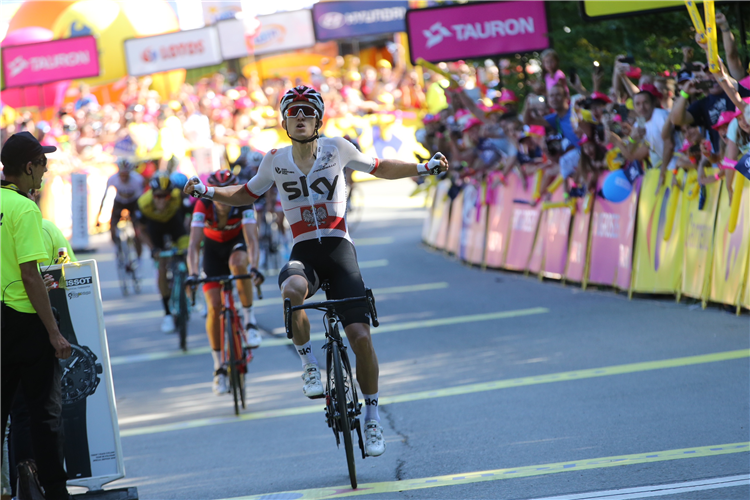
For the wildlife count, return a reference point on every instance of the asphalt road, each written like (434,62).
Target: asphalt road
(493,385)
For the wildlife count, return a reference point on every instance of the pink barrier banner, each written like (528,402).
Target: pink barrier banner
(500,202)
(476,29)
(579,240)
(523,227)
(551,247)
(45,62)
(438,214)
(613,228)
(455,225)
(475,225)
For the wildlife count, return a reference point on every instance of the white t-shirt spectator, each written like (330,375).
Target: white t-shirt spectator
(198,130)
(653,136)
(733,134)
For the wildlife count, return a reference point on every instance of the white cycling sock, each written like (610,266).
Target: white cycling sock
(306,354)
(249,315)
(371,407)
(217,359)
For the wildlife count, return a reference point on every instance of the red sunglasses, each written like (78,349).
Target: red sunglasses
(307,111)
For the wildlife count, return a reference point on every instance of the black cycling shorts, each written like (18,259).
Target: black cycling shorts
(216,255)
(158,231)
(335,260)
(117,209)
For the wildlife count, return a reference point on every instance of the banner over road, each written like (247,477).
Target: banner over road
(335,20)
(183,49)
(45,62)
(475,30)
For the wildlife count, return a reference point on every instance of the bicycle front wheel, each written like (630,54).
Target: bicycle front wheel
(341,407)
(184,313)
(234,363)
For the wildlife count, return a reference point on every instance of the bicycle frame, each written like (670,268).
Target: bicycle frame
(237,331)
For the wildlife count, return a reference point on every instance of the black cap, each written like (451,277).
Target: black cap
(21,148)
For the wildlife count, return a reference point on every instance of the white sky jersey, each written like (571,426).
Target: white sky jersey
(314,204)
(127,192)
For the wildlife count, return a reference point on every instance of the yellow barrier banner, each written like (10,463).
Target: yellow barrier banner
(698,227)
(456,225)
(746,295)
(730,250)
(657,263)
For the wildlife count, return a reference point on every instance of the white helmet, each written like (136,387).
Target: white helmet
(303,93)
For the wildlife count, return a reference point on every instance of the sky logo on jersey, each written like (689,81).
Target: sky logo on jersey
(295,192)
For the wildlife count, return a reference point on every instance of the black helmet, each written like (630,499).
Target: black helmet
(222,178)
(161,182)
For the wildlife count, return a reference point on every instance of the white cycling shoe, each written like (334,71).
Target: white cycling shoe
(313,387)
(167,324)
(253,336)
(220,385)
(374,442)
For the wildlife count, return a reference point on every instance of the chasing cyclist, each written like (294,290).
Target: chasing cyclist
(230,246)
(129,185)
(162,213)
(310,177)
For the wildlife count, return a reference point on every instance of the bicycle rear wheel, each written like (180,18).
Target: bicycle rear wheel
(133,259)
(343,411)
(233,368)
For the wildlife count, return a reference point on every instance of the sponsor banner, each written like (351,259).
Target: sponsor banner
(93,453)
(474,224)
(437,212)
(579,240)
(500,201)
(524,222)
(536,260)
(730,250)
(476,29)
(283,32)
(658,257)
(455,225)
(595,10)
(232,39)
(612,231)
(556,238)
(334,20)
(220,10)
(45,62)
(699,231)
(180,50)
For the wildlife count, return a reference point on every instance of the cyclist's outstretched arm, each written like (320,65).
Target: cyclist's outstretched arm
(387,169)
(235,196)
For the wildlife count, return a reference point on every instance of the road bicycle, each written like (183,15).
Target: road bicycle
(127,256)
(342,402)
(234,356)
(177,273)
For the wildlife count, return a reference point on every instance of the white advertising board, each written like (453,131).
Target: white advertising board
(232,38)
(284,31)
(93,452)
(180,50)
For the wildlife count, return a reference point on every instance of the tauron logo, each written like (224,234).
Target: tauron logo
(435,34)
(78,281)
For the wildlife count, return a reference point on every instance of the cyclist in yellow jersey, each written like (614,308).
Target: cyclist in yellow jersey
(162,214)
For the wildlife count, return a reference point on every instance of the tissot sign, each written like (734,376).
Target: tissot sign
(334,20)
(475,30)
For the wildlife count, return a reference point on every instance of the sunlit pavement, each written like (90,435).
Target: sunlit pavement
(493,385)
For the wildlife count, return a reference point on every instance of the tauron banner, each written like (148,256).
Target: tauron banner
(45,62)
(93,453)
(335,20)
(473,30)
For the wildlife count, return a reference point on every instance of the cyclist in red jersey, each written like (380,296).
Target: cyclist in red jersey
(230,245)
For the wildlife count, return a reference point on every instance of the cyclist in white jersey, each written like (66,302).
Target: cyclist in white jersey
(310,177)
(129,185)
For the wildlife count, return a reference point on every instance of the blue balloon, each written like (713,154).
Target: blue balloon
(616,187)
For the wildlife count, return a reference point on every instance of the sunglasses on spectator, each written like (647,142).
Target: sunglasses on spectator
(162,195)
(42,162)
(307,111)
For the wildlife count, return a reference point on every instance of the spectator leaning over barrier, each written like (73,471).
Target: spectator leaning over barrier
(31,338)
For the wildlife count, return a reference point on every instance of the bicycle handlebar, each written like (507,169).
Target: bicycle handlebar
(368,299)
(223,279)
